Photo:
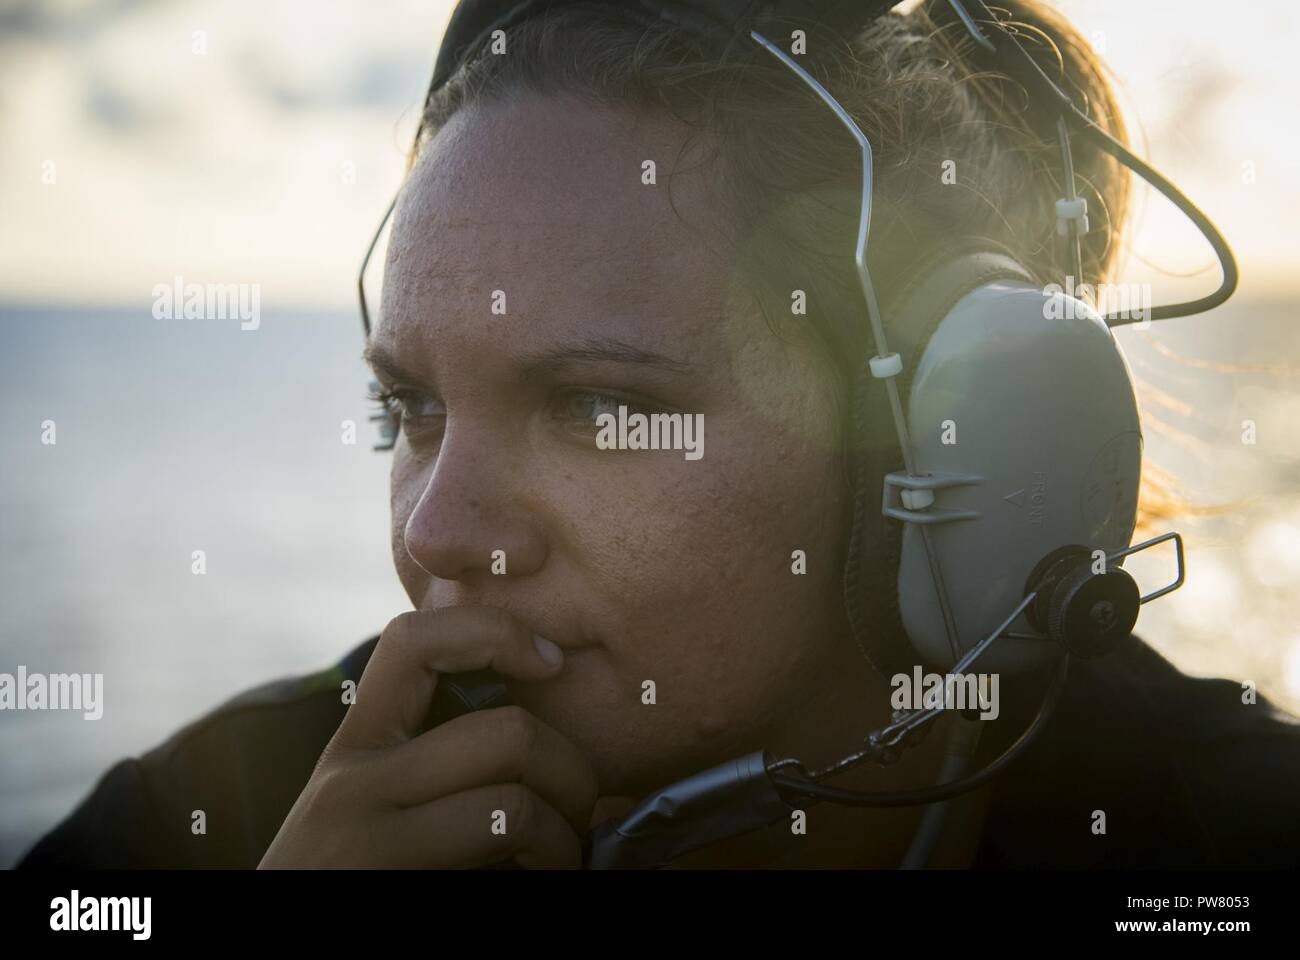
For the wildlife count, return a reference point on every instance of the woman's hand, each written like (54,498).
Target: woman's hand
(385,795)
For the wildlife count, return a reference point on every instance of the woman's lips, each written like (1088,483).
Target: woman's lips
(567,637)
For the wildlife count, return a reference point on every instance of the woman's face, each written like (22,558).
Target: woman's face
(643,565)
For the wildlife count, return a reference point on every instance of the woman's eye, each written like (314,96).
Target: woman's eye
(411,404)
(581,410)
(585,406)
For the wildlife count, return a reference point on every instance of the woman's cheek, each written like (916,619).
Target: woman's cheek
(700,571)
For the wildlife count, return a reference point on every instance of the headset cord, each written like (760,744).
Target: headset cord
(1016,63)
(801,787)
(1227,262)
(960,751)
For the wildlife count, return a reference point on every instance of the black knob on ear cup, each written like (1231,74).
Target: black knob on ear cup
(1092,612)
(1060,563)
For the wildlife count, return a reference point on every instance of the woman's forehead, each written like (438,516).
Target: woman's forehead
(550,202)
(557,167)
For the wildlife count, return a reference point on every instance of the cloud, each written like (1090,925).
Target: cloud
(28,19)
(370,80)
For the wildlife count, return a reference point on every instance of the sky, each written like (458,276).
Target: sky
(260,142)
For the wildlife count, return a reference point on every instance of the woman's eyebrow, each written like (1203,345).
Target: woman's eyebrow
(385,365)
(539,363)
(597,351)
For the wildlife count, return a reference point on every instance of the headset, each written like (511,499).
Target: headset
(1013,538)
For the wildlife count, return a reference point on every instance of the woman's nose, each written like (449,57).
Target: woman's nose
(471,517)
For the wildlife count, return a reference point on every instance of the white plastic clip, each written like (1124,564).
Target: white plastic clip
(890,365)
(917,499)
(1068,211)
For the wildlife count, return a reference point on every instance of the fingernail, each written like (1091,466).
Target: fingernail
(548,651)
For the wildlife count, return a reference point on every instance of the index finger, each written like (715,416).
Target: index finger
(397,686)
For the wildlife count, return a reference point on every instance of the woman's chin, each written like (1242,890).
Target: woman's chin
(634,745)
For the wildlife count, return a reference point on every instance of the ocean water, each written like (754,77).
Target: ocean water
(183,435)
(175,436)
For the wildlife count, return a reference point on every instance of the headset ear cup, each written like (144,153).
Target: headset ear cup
(1023,419)
(875,546)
